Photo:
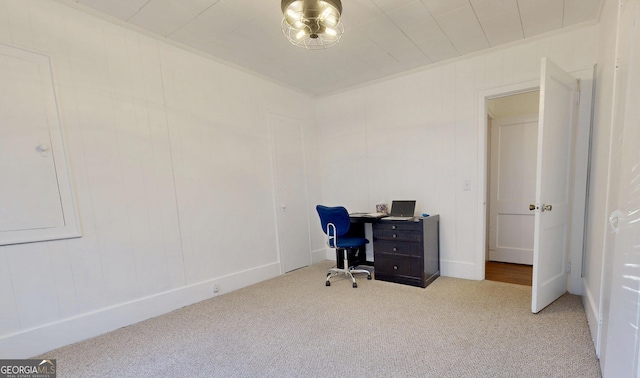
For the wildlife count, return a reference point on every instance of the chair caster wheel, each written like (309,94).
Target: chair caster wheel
(355,285)
(327,283)
(369,277)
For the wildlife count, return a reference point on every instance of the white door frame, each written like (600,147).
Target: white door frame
(483,158)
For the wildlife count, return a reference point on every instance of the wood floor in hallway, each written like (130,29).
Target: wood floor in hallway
(510,273)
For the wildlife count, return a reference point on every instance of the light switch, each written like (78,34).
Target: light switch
(466,185)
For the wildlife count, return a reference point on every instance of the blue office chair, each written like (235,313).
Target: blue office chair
(335,224)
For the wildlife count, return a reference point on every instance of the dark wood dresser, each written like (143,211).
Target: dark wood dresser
(407,252)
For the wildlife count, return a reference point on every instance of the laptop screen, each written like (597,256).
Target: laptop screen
(403,208)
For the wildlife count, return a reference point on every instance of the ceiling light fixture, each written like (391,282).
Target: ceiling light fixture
(312,24)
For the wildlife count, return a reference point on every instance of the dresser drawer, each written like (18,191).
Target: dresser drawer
(385,266)
(398,226)
(404,236)
(398,248)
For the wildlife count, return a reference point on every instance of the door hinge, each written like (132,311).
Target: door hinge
(568,267)
(578,91)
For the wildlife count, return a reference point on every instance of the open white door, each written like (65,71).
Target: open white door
(553,185)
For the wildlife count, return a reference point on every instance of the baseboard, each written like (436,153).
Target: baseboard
(513,256)
(591,310)
(39,340)
(458,269)
(321,255)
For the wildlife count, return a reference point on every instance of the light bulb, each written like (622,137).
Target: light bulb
(330,20)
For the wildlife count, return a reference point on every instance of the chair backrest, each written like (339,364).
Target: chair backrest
(337,215)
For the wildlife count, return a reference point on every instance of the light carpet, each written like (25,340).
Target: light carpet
(294,326)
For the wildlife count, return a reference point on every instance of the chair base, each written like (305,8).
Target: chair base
(346,270)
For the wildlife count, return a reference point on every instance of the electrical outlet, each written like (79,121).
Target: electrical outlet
(216,288)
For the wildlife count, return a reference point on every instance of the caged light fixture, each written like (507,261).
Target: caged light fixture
(312,24)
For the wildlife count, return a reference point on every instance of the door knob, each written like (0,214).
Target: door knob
(613,220)
(532,207)
(546,207)
(42,149)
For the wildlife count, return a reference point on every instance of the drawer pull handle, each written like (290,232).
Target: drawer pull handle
(395,249)
(395,267)
(395,236)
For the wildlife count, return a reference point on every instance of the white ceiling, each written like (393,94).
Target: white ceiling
(382,37)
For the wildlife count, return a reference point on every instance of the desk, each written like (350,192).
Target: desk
(406,252)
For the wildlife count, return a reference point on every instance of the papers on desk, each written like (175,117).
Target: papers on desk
(368,215)
(374,215)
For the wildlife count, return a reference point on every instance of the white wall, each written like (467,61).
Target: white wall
(170,156)
(416,137)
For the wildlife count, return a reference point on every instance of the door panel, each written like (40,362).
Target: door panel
(292,214)
(554,160)
(30,188)
(513,169)
(36,192)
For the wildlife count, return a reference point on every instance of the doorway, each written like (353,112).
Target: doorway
(561,172)
(511,171)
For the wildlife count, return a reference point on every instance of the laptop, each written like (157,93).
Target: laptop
(401,210)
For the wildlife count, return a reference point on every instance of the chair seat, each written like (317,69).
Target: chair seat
(350,242)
